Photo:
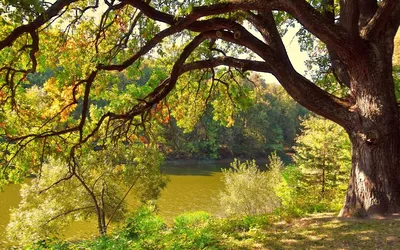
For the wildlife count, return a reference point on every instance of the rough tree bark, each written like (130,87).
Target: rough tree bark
(374,186)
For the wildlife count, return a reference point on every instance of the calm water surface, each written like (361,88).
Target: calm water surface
(192,187)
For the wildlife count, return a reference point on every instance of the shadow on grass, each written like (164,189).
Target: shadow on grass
(327,233)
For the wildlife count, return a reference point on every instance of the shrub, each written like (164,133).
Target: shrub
(50,243)
(193,231)
(143,223)
(249,190)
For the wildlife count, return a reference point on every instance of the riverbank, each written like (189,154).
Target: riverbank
(285,155)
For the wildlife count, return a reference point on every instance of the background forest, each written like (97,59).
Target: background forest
(269,124)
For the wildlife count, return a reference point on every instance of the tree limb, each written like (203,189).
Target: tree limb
(320,26)
(367,10)
(35,24)
(349,16)
(387,12)
(265,24)
(241,64)
(66,213)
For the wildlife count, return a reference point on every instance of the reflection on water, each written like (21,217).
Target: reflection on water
(8,199)
(193,186)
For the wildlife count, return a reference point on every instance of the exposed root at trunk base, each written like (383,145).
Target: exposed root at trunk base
(377,212)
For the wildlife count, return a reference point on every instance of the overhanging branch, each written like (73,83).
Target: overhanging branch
(242,64)
(35,24)
(308,16)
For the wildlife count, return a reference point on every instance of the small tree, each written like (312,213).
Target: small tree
(98,186)
(323,157)
(250,190)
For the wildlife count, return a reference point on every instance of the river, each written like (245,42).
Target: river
(193,186)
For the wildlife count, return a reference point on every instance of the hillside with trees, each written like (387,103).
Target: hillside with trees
(270,123)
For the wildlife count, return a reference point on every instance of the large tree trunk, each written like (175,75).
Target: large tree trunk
(374,186)
(374,130)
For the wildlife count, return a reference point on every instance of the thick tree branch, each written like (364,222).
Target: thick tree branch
(35,48)
(201,11)
(265,24)
(349,16)
(387,12)
(242,64)
(320,26)
(85,106)
(367,10)
(35,24)
(339,68)
(395,19)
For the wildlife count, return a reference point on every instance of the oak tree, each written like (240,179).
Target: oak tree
(92,45)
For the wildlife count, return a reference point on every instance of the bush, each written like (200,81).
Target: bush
(143,223)
(250,191)
(145,230)
(50,243)
(193,231)
(294,203)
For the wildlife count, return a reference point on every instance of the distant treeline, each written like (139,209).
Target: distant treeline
(269,125)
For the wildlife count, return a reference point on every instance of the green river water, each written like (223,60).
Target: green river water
(193,186)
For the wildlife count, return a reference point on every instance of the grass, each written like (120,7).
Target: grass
(322,231)
(198,230)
